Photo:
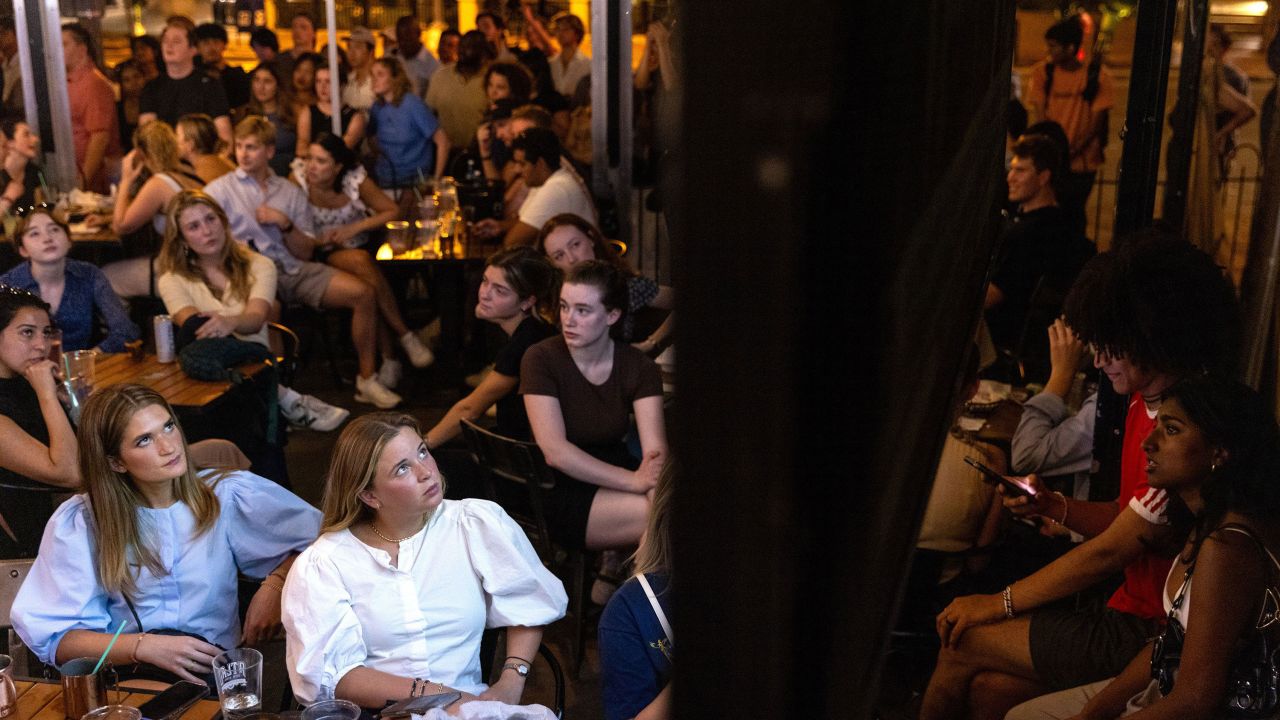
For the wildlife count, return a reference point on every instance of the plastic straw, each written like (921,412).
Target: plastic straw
(109,646)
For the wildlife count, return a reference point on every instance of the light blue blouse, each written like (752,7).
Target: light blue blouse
(259,524)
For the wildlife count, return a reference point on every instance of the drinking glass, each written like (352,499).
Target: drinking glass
(113,712)
(238,674)
(55,345)
(331,710)
(399,236)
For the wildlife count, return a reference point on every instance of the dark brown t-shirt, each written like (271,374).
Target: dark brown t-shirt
(594,415)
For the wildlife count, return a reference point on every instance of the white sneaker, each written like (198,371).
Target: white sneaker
(419,354)
(390,372)
(314,413)
(369,390)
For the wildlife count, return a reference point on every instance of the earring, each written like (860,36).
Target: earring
(1213,467)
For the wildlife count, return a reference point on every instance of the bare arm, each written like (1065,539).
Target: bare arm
(303,145)
(52,464)
(1229,582)
(660,708)
(658,339)
(133,215)
(1080,568)
(538,35)
(547,421)
(355,131)
(492,388)
(520,234)
(522,642)
(1111,701)
(442,150)
(367,687)
(178,654)
(1241,108)
(223,125)
(93,154)
(993,297)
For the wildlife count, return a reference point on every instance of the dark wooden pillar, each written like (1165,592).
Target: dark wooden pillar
(833,201)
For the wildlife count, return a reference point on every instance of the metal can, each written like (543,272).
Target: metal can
(164,338)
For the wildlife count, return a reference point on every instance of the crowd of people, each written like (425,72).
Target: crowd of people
(1065,590)
(236,200)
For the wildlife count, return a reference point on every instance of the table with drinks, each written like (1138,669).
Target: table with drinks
(88,689)
(434,244)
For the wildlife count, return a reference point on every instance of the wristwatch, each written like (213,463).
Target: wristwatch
(521,669)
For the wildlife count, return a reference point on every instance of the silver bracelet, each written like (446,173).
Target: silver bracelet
(1008,601)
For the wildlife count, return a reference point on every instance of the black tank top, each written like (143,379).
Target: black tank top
(26,511)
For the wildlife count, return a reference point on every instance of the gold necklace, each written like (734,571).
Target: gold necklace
(374,527)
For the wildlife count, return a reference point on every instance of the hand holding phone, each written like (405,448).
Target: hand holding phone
(1012,485)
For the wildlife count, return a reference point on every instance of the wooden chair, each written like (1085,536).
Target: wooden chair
(12,573)
(522,472)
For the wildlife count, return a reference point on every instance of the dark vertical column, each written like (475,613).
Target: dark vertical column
(833,204)
(1183,121)
(1148,78)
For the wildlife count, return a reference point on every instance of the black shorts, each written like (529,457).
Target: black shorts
(1072,647)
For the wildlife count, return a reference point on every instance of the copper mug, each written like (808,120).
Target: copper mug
(82,689)
(8,693)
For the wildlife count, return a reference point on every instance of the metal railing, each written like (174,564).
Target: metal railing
(1240,183)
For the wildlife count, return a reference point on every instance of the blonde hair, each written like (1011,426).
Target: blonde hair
(654,553)
(257,127)
(176,257)
(355,461)
(114,499)
(159,146)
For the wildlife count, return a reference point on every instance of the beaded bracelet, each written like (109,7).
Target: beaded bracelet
(1008,601)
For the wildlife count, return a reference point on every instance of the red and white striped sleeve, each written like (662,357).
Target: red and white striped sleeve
(1152,506)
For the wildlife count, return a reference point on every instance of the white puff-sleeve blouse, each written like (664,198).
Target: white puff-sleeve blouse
(470,567)
(259,524)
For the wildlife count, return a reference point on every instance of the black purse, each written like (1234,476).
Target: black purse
(1253,682)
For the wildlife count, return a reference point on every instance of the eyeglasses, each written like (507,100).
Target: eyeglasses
(38,207)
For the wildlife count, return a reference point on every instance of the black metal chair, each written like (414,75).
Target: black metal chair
(522,472)
(284,343)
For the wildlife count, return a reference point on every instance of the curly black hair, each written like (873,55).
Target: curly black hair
(1160,302)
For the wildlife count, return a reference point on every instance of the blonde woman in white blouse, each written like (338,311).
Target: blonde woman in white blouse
(396,592)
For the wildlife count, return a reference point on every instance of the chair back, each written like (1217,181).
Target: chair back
(284,342)
(12,575)
(520,465)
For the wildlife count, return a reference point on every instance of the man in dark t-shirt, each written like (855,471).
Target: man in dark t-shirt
(211,41)
(1039,248)
(183,89)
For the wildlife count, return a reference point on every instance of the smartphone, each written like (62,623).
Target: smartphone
(1011,485)
(173,702)
(419,705)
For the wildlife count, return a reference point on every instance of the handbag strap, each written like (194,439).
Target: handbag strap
(1269,612)
(657,608)
(134,611)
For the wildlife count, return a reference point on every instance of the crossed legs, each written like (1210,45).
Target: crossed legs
(990,672)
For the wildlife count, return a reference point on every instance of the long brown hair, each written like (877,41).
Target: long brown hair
(354,463)
(114,499)
(602,249)
(177,258)
(284,97)
(400,85)
(159,146)
(654,553)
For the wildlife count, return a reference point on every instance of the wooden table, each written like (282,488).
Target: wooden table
(43,701)
(1001,424)
(165,378)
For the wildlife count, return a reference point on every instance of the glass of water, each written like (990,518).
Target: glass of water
(331,710)
(238,674)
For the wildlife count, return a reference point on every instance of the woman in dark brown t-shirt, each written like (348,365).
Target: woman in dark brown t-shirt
(579,390)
